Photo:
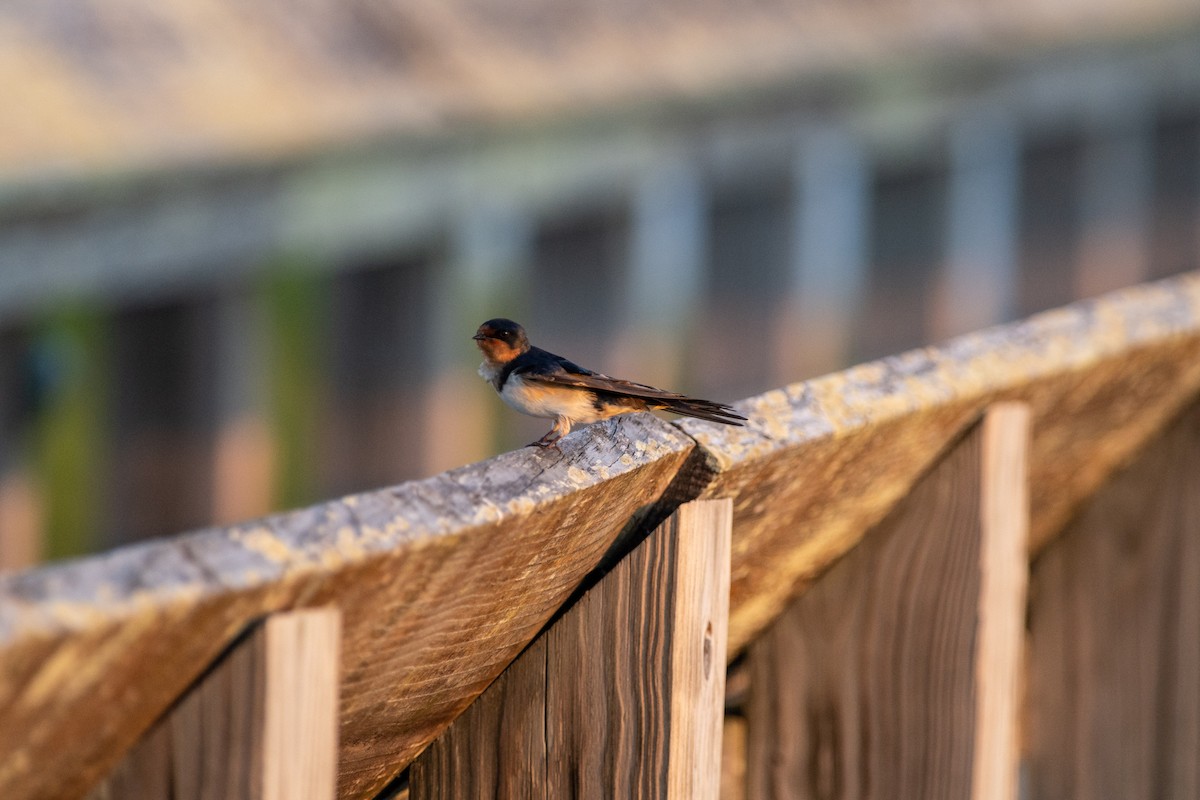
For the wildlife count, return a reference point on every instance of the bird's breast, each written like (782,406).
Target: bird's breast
(543,400)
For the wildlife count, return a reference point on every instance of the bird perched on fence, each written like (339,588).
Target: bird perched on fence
(542,384)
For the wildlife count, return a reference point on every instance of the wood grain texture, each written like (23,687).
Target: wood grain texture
(867,685)
(622,697)
(733,759)
(613,670)
(497,748)
(1004,581)
(145,771)
(1114,680)
(302,656)
(822,461)
(260,725)
(699,632)
(441,583)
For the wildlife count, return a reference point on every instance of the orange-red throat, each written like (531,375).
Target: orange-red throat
(498,351)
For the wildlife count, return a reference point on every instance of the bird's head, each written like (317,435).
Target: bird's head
(501,340)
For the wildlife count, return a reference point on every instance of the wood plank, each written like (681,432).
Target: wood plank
(1114,679)
(302,654)
(622,697)
(442,582)
(20,519)
(617,661)
(871,684)
(823,461)
(699,623)
(1004,582)
(260,725)
(497,748)
(733,759)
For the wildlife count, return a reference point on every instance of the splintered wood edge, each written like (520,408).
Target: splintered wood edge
(87,593)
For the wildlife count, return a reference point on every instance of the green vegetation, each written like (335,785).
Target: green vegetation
(295,297)
(70,378)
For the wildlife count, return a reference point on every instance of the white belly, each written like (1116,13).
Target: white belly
(540,400)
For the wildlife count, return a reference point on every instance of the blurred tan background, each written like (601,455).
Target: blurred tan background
(243,247)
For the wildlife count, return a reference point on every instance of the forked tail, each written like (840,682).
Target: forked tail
(703,409)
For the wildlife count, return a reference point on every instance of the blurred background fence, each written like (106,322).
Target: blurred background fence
(242,252)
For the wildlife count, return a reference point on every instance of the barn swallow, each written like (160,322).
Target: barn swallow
(542,384)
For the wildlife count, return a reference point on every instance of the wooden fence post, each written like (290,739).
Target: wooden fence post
(1114,678)
(895,674)
(260,725)
(623,696)
(1003,590)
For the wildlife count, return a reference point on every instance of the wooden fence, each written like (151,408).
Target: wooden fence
(945,574)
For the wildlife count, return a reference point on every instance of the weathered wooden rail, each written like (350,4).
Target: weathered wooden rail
(873,528)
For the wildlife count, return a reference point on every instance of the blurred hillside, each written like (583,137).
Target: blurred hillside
(243,248)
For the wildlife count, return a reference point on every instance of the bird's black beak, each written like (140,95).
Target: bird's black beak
(479,337)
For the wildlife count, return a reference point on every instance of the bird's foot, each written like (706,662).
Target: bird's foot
(562,426)
(547,442)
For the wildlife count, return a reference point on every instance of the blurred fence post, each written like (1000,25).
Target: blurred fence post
(245,449)
(1115,192)
(666,266)
(483,275)
(977,287)
(20,498)
(830,209)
